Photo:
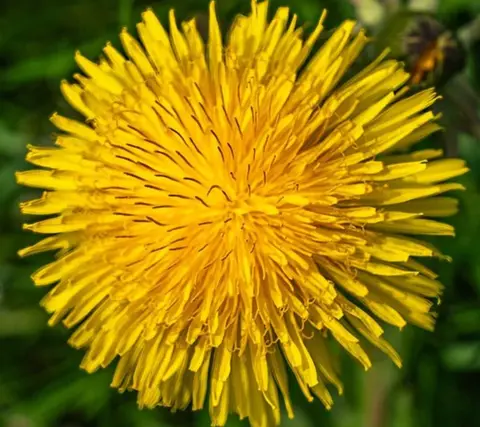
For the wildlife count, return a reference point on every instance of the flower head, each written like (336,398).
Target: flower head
(221,214)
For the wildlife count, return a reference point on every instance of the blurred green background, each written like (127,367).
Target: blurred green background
(40,382)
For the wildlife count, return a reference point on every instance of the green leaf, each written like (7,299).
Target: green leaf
(462,356)
(402,412)
(51,66)
(56,65)
(125,8)
(447,7)
(21,322)
(12,144)
(84,392)
(465,318)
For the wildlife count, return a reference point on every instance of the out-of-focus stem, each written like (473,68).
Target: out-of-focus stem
(377,388)
(470,32)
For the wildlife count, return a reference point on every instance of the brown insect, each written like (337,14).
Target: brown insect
(432,51)
(432,59)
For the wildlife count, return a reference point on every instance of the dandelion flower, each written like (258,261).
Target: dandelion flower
(227,208)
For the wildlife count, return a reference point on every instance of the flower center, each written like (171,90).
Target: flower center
(254,204)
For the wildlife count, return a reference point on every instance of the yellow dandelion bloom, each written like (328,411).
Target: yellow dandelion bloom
(228,207)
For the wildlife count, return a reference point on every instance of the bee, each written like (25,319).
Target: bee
(432,60)
(433,53)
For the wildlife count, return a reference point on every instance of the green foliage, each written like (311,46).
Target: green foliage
(40,382)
